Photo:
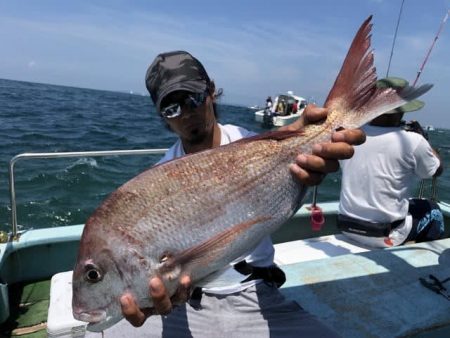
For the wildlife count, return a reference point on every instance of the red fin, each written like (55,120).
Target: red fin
(355,96)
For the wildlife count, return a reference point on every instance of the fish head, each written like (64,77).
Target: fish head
(97,286)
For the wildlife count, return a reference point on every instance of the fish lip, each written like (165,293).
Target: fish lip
(94,316)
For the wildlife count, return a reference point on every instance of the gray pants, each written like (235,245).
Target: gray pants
(259,311)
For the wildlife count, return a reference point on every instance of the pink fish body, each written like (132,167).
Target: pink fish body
(195,214)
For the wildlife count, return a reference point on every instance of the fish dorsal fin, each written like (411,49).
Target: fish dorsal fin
(355,94)
(207,251)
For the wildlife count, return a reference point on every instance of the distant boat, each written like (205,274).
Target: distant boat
(255,107)
(430,127)
(281,112)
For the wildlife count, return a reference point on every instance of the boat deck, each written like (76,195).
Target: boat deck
(360,293)
(375,293)
(355,290)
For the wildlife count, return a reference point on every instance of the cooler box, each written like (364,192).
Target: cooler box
(60,322)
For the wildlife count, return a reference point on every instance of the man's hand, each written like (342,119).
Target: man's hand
(162,303)
(311,169)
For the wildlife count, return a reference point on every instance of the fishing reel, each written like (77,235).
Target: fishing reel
(415,127)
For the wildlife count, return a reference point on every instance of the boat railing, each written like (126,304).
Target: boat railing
(29,156)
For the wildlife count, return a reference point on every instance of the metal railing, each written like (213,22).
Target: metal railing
(433,192)
(28,156)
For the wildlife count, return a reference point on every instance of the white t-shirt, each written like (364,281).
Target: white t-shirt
(380,177)
(263,254)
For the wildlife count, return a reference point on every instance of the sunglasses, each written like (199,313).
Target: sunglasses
(192,100)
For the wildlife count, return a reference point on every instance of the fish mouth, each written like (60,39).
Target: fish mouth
(104,324)
(94,316)
(98,320)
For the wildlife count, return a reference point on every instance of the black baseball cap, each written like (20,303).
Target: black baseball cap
(174,71)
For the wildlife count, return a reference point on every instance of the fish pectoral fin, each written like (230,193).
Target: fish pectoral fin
(208,250)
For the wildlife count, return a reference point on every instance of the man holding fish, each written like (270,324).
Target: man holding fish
(174,81)
(183,221)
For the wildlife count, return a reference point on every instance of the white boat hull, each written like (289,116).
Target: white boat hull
(278,121)
(286,116)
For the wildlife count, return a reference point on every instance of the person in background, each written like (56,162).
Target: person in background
(269,103)
(185,97)
(281,108)
(376,208)
(268,115)
(295,107)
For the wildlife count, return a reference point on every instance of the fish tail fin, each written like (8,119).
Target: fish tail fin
(355,94)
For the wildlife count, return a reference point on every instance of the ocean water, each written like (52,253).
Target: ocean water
(48,118)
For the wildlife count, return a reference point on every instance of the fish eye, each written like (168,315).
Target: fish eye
(92,274)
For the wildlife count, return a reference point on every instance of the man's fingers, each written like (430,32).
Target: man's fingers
(313,114)
(161,300)
(131,311)
(183,292)
(320,164)
(351,136)
(333,151)
(308,178)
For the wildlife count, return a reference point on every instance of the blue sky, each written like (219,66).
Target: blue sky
(251,49)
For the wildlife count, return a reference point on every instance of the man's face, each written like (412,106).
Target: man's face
(191,116)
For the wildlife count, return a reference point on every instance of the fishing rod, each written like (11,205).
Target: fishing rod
(431,47)
(434,181)
(395,38)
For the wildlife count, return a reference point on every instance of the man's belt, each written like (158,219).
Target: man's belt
(365,228)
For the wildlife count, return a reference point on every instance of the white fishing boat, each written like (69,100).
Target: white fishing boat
(356,291)
(281,112)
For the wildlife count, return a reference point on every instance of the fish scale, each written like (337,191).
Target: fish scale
(196,214)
